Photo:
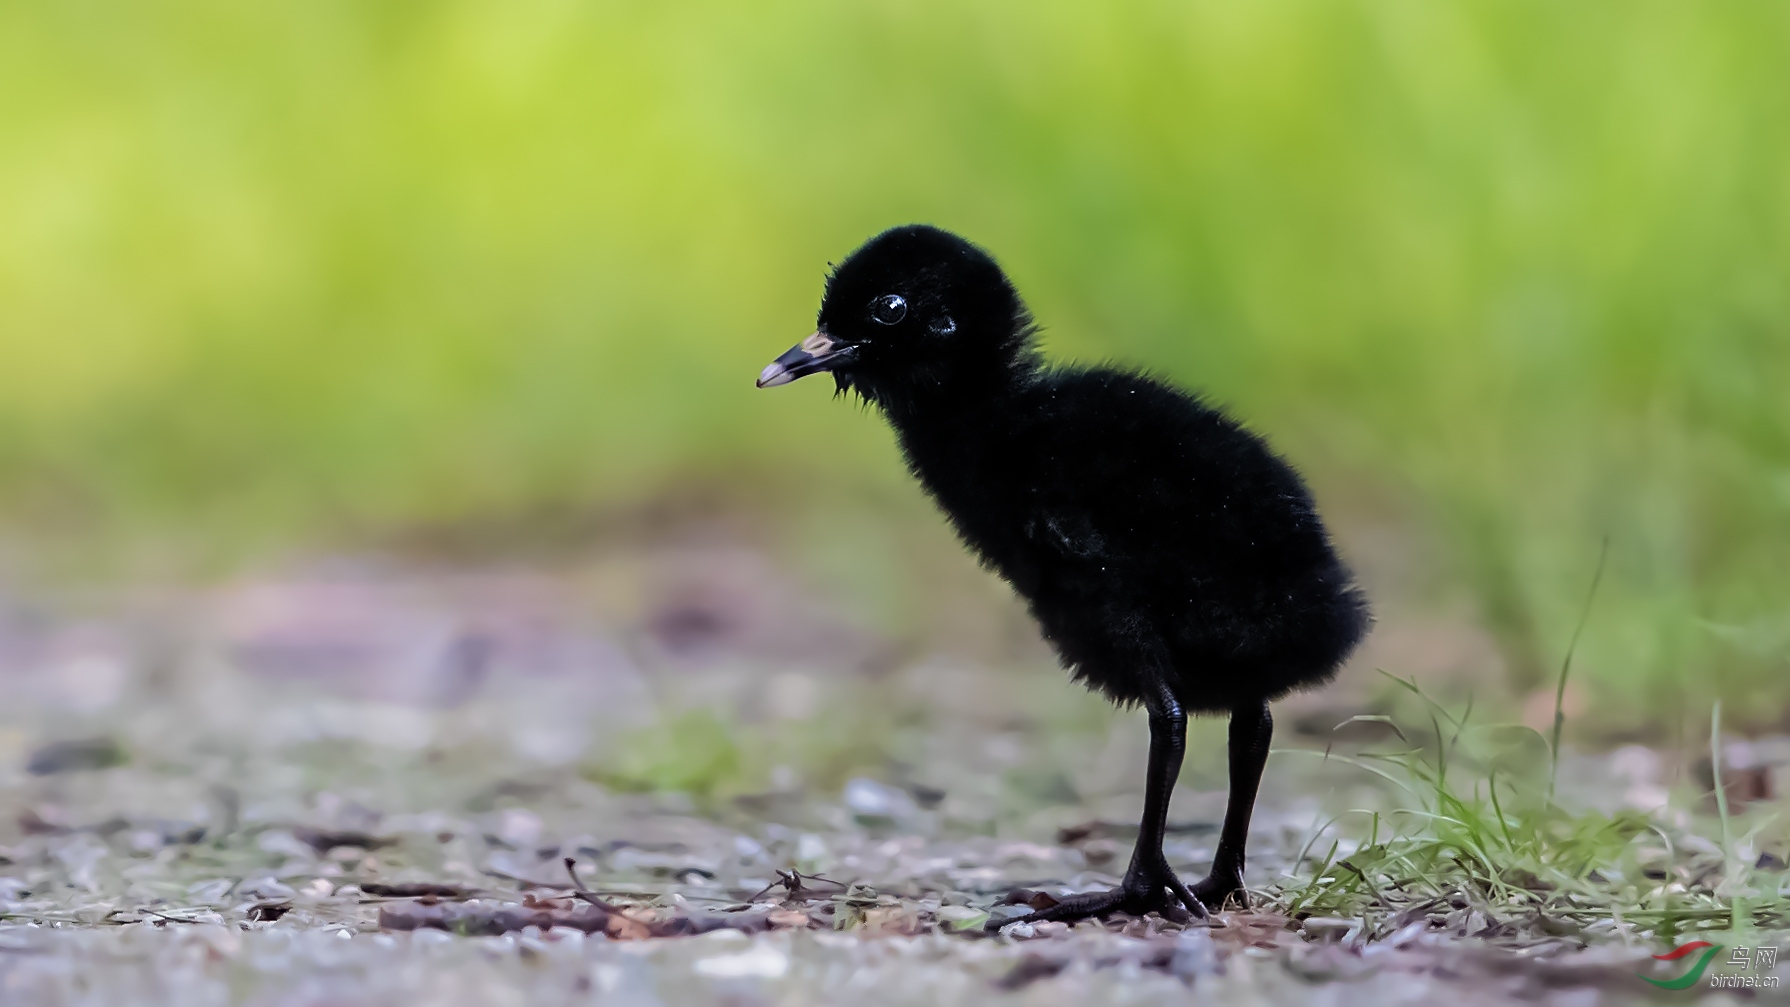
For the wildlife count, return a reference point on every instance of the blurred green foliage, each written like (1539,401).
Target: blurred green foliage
(693,753)
(273,271)
(709,754)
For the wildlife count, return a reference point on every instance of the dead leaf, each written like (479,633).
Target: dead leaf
(1256,930)
(788,919)
(902,920)
(482,920)
(628,925)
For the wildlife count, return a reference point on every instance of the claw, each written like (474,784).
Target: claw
(1194,903)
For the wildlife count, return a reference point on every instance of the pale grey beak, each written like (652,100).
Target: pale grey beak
(819,352)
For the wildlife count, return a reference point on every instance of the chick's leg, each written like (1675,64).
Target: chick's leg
(1149,884)
(1252,726)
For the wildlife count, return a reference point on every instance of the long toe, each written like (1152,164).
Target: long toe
(1070,909)
(1196,906)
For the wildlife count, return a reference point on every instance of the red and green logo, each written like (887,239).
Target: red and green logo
(1690,978)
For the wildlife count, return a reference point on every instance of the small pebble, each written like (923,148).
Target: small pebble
(1327,927)
(1021,931)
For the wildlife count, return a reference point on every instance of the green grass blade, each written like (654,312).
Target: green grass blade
(1603,554)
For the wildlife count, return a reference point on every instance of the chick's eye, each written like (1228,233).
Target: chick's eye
(888,309)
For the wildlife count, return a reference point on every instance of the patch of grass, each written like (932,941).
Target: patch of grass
(1469,848)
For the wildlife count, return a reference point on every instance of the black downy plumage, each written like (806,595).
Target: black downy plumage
(1171,558)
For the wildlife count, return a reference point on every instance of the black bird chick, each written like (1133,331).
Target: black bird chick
(1170,557)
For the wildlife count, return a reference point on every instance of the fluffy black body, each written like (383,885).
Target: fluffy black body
(1144,529)
(1172,559)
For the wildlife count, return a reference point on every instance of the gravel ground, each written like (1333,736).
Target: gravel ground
(212,801)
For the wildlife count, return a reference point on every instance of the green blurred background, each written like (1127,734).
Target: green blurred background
(1507,278)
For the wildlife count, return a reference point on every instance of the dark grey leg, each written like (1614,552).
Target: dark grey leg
(1149,872)
(1252,727)
(1149,885)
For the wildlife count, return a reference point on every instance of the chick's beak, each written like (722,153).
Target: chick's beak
(819,352)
